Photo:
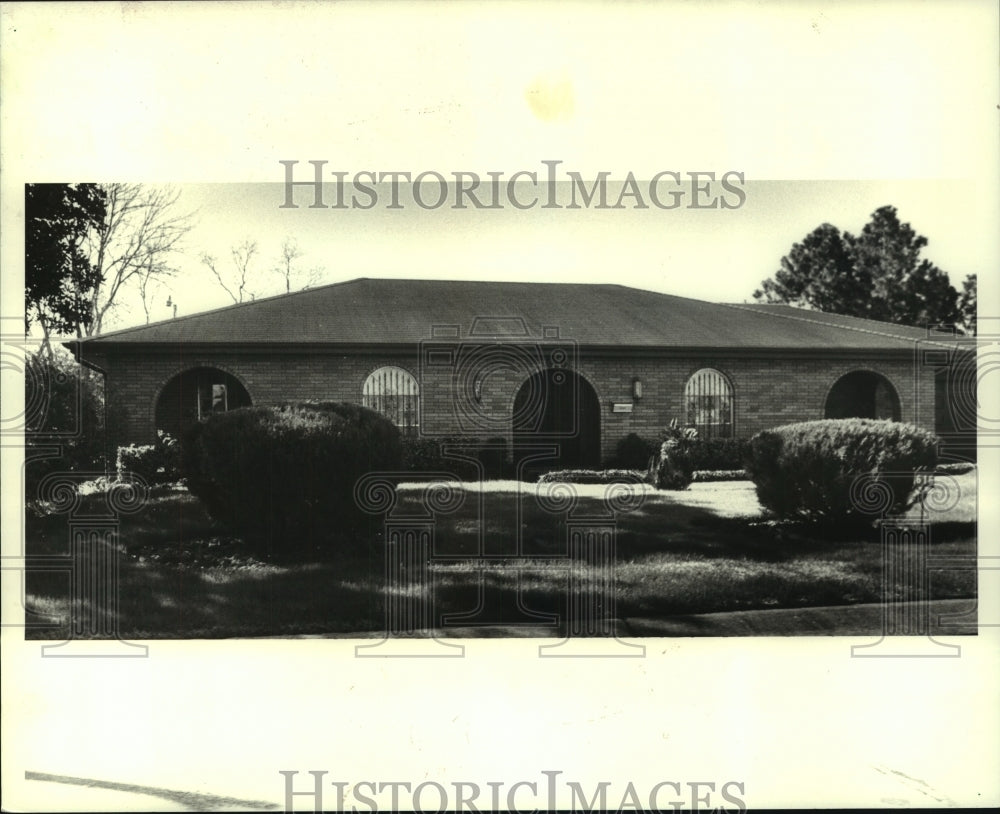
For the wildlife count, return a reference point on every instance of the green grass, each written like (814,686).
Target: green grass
(702,551)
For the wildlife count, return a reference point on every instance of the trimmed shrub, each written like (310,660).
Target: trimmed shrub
(959,468)
(282,477)
(633,452)
(807,470)
(593,476)
(716,475)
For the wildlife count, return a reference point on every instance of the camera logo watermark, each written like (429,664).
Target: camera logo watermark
(496,377)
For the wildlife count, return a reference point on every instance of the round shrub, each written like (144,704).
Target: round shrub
(811,469)
(282,477)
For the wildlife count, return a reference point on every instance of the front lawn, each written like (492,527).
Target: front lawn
(704,550)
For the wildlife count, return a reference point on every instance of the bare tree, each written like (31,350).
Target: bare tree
(150,285)
(86,243)
(289,271)
(236,283)
(133,245)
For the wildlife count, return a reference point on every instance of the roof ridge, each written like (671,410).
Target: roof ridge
(753,310)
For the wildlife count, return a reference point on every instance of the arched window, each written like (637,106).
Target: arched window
(393,392)
(708,404)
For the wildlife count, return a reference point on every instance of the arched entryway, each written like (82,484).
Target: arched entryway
(560,407)
(196,394)
(863,394)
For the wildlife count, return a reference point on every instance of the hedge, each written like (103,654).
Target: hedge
(711,454)
(282,477)
(839,468)
(701,454)
(593,476)
(717,475)
(424,455)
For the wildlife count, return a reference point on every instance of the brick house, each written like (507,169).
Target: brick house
(578,365)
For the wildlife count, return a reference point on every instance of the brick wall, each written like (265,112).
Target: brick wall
(768,391)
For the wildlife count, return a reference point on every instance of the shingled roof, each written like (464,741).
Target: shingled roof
(401,312)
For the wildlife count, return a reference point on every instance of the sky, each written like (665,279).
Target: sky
(713,254)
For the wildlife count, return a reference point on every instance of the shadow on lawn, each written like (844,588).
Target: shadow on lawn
(182,577)
(170,602)
(179,576)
